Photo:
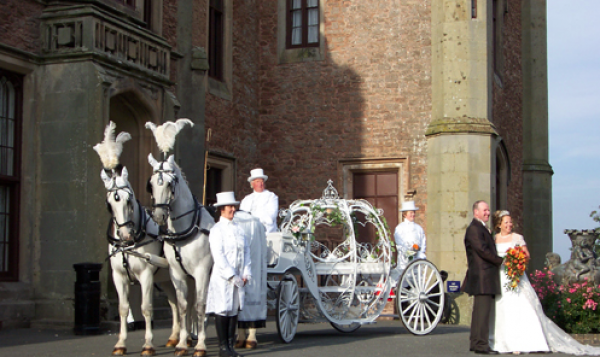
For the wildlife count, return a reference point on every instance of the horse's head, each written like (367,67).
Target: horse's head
(162,186)
(120,202)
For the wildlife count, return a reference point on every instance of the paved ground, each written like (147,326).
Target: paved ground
(386,338)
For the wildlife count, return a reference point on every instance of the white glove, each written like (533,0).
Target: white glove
(237,281)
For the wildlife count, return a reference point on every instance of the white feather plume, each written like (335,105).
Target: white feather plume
(110,148)
(165,134)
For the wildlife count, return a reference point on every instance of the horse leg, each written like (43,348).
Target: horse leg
(202,277)
(241,338)
(122,286)
(251,341)
(181,289)
(191,312)
(146,282)
(168,288)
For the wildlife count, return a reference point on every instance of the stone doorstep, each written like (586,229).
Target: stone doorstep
(591,339)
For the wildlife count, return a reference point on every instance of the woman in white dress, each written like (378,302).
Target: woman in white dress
(520,324)
(230,273)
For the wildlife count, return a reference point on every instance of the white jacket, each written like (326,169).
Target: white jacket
(255,303)
(230,250)
(265,206)
(408,233)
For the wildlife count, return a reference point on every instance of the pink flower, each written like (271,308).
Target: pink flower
(569,300)
(590,304)
(572,290)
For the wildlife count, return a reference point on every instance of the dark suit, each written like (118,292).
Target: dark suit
(482,281)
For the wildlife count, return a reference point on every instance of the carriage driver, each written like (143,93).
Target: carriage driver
(264,205)
(261,203)
(231,272)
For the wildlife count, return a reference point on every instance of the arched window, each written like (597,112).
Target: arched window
(11,94)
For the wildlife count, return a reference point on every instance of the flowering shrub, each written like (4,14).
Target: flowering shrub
(573,307)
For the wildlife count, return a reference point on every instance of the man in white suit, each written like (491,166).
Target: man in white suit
(264,205)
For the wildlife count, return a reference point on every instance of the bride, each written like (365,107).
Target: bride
(520,324)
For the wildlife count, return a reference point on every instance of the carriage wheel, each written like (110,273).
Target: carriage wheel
(288,308)
(421,297)
(346,328)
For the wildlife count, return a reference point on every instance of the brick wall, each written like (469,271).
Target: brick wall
(20,25)
(234,123)
(507,109)
(370,97)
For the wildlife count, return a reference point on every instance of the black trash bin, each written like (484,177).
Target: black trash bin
(87,298)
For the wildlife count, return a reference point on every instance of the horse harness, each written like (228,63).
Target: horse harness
(128,247)
(171,238)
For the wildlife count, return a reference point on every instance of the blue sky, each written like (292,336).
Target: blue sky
(574,113)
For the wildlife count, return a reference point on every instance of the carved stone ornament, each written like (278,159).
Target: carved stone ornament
(584,264)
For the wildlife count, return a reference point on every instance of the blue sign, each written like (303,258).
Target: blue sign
(453,286)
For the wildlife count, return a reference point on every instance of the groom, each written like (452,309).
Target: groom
(483,276)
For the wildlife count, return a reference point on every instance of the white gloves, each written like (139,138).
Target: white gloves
(237,281)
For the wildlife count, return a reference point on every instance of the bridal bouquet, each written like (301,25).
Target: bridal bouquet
(514,264)
(411,252)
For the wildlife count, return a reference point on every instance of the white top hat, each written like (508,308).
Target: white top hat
(408,206)
(257,174)
(226,199)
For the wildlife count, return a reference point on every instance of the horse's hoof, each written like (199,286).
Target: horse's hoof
(148,351)
(199,353)
(240,344)
(172,343)
(251,344)
(181,352)
(119,351)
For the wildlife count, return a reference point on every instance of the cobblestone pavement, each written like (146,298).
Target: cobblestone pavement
(386,338)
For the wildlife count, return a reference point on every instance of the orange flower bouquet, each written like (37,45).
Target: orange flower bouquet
(515,264)
(412,251)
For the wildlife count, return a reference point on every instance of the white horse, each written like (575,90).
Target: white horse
(134,251)
(184,226)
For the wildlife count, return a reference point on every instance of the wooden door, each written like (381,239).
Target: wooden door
(380,188)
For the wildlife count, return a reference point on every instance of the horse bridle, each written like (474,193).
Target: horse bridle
(160,181)
(117,198)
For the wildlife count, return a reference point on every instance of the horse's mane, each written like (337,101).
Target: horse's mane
(180,171)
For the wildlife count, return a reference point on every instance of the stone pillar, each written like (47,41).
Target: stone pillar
(460,138)
(537,172)
(191,94)
(72,214)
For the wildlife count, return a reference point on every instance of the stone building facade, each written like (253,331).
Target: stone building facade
(443,102)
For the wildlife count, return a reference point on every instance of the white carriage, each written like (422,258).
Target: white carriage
(349,282)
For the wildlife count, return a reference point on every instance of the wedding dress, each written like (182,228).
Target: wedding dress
(520,324)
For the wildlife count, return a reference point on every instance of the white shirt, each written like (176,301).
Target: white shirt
(265,206)
(406,235)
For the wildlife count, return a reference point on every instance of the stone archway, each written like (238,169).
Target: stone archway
(131,113)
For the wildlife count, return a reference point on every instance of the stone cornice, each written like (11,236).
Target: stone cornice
(537,165)
(461,125)
(76,33)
